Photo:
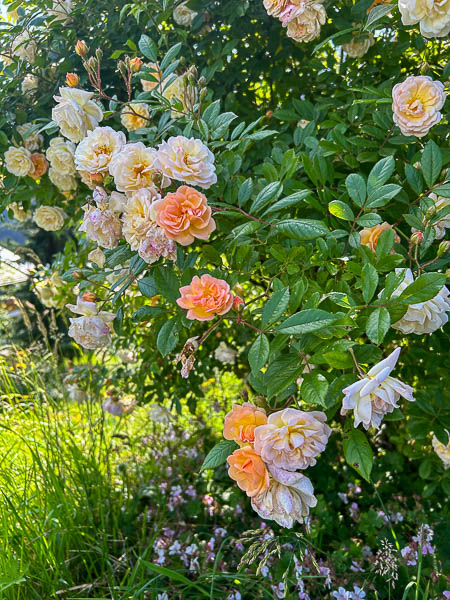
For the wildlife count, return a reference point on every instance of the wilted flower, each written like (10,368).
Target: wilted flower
(188,160)
(225,354)
(93,329)
(183,15)
(76,113)
(376,394)
(156,245)
(64,182)
(184,215)
(303,19)
(416,104)
(434,17)
(358,45)
(30,83)
(369,235)
(119,407)
(101,225)
(241,421)
(206,297)
(135,116)
(292,439)
(423,317)
(181,90)
(33,141)
(40,165)
(49,218)
(249,471)
(442,450)
(18,161)
(287,499)
(134,167)
(94,153)
(60,154)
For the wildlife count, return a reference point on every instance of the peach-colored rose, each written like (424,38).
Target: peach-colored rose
(369,235)
(249,471)
(416,103)
(184,215)
(241,421)
(40,165)
(205,298)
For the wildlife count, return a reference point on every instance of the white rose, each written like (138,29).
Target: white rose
(188,160)
(358,45)
(137,217)
(94,153)
(76,113)
(303,19)
(134,167)
(18,161)
(60,154)
(375,395)
(288,498)
(49,218)
(65,183)
(61,9)
(98,257)
(47,290)
(93,329)
(30,83)
(32,142)
(75,393)
(433,16)
(183,15)
(424,317)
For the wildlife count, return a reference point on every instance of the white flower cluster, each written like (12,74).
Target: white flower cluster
(93,329)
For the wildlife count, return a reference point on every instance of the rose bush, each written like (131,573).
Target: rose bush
(234,183)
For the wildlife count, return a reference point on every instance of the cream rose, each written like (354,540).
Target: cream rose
(30,83)
(98,257)
(18,161)
(48,291)
(33,141)
(433,16)
(49,218)
(180,90)
(61,9)
(65,183)
(416,104)
(137,217)
(135,116)
(274,7)
(60,155)
(94,153)
(183,15)
(440,226)
(102,226)
(24,47)
(303,19)
(76,113)
(424,317)
(134,167)
(188,160)
(358,45)
(93,329)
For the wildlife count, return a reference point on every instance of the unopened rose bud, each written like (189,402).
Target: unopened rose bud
(92,63)
(191,79)
(203,93)
(443,248)
(218,335)
(96,178)
(135,64)
(424,68)
(122,67)
(202,81)
(418,166)
(238,289)
(90,297)
(416,238)
(194,71)
(77,275)
(238,304)
(72,79)
(99,54)
(81,48)
(269,113)
(182,60)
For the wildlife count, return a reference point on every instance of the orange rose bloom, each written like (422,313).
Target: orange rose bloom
(206,297)
(40,165)
(241,421)
(184,215)
(369,235)
(249,471)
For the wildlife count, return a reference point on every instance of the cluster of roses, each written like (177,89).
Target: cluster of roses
(302,18)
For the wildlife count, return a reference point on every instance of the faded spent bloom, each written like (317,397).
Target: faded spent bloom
(274,7)
(30,83)
(442,450)
(206,297)
(94,153)
(61,9)
(249,471)
(49,218)
(98,257)
(47,290)
(188,160)
(416,103)
(288,498)
(101,225)
(76,113)
(18,161)
(241,421)
(369,235)
(424,317)
(183,15)
(93,329)
(134,167)
(19,212)
(292,439)
(24,47)
(433,16)
(303,19)
(135,116)
(184,215)
(60,154)
(376,394)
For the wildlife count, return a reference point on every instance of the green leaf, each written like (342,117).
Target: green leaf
(147,312)
(170,55)
(414,178)
(275,307)
(381,196)
(425,287)
(377,13)
(341,210)
(175,576)
(245,191)
(314,388)
(378,325)
(288,201)
(385,243)
(302,229)
(167,283)
(118,256)
(307,321)
(357,450)
(148,287)
(218,455)
(259,352)
(148,48)
(280,373)
(369,282)
(369,220)
(265,196)
(431,163)
(380,173)
(356,188)
(168,336)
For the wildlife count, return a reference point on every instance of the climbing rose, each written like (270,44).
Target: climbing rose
(358,45)
(155,71)
(135,116)
(64,182)
(205,297)
(248,470)
(61,9)
(33,141)
(137,215)
(292,439)
(40,165)
(376,394)
(94,153)
(93,329)
(303,19)
(134,167)
(369,235)
(416,104)
(188,160)
(18,161)
(183,15)
(101,225)
(184,215)
(76,113)
(180,90)
(433,16)
(241,421)
(274,7)
(444,223)
(49,218)
(60,154)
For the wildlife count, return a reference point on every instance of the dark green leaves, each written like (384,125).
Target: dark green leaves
(219,454)
(302,229)
(265,196)
(357,450)
(275,307)
(314,389)
(259,352)
(424,288)
(307,321)
(168,336)
(369,281)
(431,163)
(356,188)
(148,48)
(378,325)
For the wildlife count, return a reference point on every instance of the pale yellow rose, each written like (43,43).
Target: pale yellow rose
(24,47)
(183,15)
(187,160)
(180,90)
(47,290)
(60,155)
(76,113)
(60,10)
(358,45)
(137,218)
(49,218)
(135,116)
(65,183)
(134,167)
(32,142)
(433,16)
(93,329)
(416,103)
(303,19)
(94,153)
(98,257)
(274,8)
(18,161)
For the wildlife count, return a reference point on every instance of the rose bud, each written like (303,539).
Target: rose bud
(416,238)
(269,113)
(72,79)
(90,297)
(135,64)
(81,48)
(77,275)
(443,248)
